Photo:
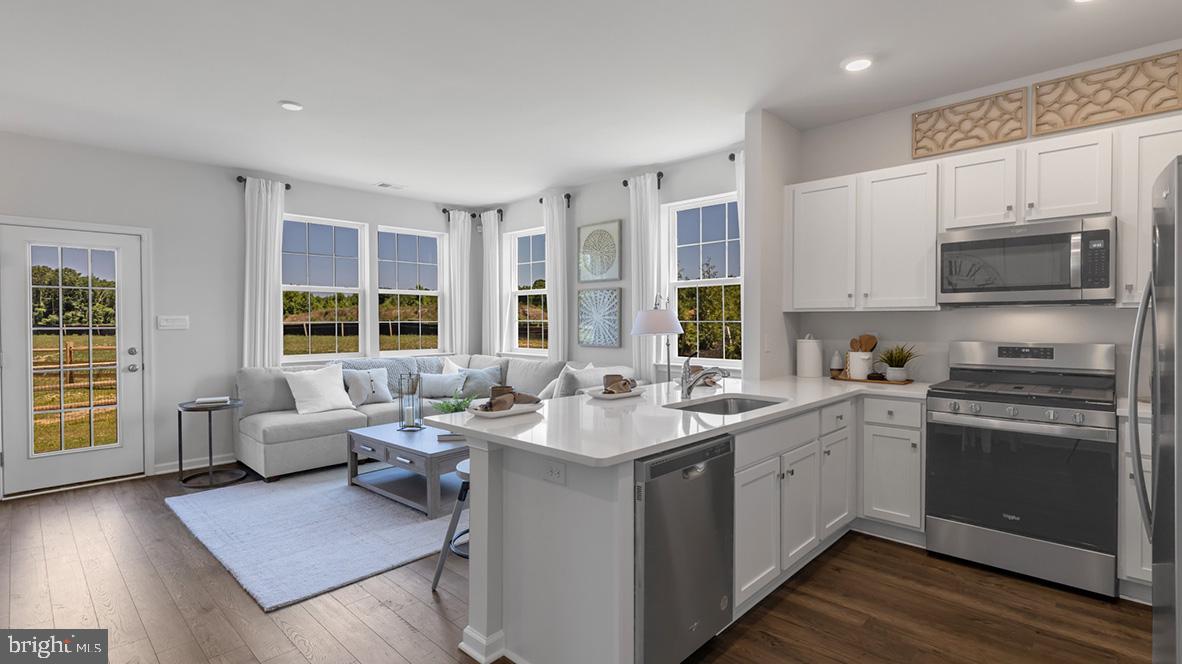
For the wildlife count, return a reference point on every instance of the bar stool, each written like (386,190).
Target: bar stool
(463,469)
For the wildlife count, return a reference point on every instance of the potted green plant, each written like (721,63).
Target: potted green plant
(456,404)
(896,358)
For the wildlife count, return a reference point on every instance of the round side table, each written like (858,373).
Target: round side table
(208,477)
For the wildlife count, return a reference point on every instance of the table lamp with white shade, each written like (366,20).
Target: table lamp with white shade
(658,321)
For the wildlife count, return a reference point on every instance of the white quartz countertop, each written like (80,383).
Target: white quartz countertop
(597,432)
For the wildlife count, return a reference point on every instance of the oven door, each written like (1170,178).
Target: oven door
(1049,482)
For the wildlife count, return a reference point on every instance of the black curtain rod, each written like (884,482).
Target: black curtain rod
(660,176)
(566,196)
(447,211)
(286,186)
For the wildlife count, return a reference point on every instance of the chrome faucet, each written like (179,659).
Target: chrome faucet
(688,383)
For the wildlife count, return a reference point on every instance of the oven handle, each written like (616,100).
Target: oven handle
(1076,260)
(1018,426)
(1134,377)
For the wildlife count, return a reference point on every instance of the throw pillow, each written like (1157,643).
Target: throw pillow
(318,390)
(450,367)
(573,380)
(478,382)
(367,386)
(548,391)
(440,386)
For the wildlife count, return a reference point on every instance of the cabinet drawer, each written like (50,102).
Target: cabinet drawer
(775,439)
(890,411)
(405,460)
(367,449)
(835,417)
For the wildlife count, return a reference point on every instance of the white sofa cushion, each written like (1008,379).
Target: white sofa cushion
(434,386)
(367,386)
(531,376)
(287,425)
(318,390)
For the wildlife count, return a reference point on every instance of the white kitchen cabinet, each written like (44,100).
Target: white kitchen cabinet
(1069,176)
(1145,150)
(823,246)
(892,463)
(799,491)
(897,226)
(837,482)
(757,528)
(979,189)
(1134,553)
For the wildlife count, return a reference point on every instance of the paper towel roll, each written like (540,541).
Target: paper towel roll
(808,358)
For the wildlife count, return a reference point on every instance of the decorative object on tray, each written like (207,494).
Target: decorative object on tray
(601,393)
(503,400)
(618,384)
(896,358)
(410,404)
(1117,92)
(599,252)
(995,118)
(599,317)
(836,365)
(514,409)
(876,382)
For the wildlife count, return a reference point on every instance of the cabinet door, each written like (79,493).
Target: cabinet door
(892,462)
(799,493)
(897,219)
(823,220)
(1135,553)
(757,528)
(1069,176)
(836,482)
(979,189)
(1145,150)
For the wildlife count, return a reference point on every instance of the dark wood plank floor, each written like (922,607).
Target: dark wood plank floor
(116,557)
(869,600)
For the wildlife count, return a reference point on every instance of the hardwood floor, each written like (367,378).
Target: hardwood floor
(116,557)
(869,600)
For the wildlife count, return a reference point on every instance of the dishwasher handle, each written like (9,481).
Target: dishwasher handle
(694,472)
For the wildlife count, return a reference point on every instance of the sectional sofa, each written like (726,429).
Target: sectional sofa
(273,439)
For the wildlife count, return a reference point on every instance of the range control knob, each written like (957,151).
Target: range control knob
(974,407)
(1011,411)
(954,406)
(1078,418)
(1051,415)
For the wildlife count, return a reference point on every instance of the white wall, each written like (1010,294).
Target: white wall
(605,200)
(883,140)
(195,213)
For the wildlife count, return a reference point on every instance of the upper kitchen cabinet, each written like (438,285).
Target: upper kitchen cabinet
(979,189)
(1145,149)
(897,219)
(1069,176)
(823,223)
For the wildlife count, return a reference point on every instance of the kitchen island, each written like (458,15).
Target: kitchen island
(553,498)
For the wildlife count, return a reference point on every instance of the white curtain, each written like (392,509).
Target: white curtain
(493,288)
(649,264)
(457,282)
(262,334)
(554,221)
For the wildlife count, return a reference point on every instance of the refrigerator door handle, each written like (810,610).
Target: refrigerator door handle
(1134,378)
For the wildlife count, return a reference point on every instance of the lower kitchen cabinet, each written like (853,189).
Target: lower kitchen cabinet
(837,482)
(1134,553)
(892,465)
(799,492)
(757,528)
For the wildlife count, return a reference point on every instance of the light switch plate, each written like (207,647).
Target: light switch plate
(172,322)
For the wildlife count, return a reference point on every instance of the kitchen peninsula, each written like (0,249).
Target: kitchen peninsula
(554,496)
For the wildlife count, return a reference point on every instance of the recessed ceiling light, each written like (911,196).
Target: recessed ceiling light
(859,63)
(288,105)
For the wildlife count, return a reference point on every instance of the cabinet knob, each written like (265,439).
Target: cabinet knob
(1030,205)
(914,446)
(1009,208)
(849,294)
(865,294)
(1129,287)
(827,452)
(890,413)
(1130,476)
(791,471)
(840,418)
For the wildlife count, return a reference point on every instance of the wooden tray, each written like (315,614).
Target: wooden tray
(874,382)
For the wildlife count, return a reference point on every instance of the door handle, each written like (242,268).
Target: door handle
(1134,434)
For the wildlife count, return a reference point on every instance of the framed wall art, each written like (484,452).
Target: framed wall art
(599,317)
(599,252)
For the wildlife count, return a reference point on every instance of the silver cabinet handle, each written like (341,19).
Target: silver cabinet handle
(367,448)
(1134,378)
(133,368)
(404,460)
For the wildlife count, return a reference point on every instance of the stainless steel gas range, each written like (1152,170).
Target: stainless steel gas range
(1023,461)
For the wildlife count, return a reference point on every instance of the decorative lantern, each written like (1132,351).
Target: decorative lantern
(410,406)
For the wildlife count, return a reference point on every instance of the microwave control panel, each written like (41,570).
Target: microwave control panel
(1095,259)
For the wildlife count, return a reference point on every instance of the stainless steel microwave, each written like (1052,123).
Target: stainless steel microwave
(1064,262)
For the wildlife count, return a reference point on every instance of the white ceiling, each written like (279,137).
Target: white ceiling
(471,102)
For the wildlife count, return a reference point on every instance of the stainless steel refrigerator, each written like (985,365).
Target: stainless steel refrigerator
(1158,314)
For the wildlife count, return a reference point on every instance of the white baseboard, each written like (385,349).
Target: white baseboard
(196,463)
(483,649)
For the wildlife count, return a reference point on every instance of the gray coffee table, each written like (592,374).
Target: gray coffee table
(422,468)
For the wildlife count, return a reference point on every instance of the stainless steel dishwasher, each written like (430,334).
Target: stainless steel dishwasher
(685,532)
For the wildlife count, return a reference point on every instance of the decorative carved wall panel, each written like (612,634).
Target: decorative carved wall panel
(1128,90)
(969,124)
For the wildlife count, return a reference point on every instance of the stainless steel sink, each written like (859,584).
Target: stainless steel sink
(725,405)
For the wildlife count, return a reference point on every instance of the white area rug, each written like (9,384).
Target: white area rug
(305,535)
